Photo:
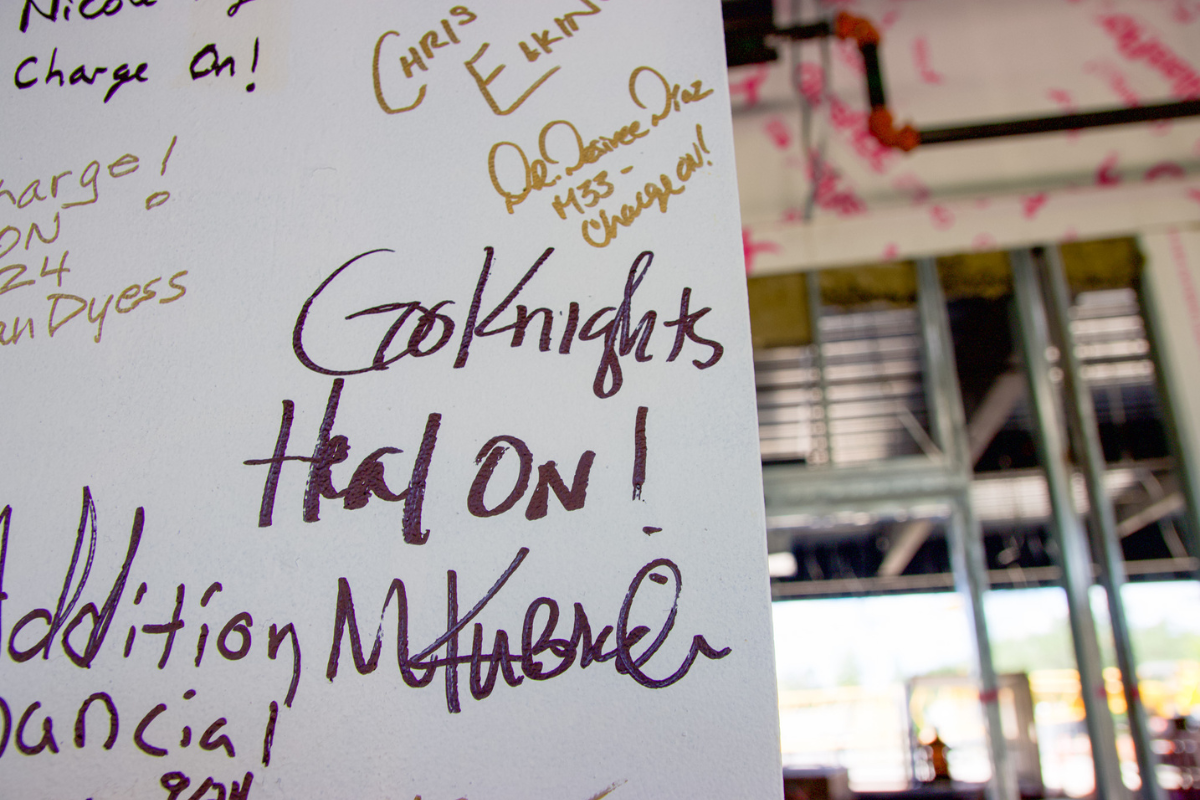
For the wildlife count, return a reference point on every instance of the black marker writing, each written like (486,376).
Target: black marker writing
(419,670)
(368,479)
(430,327)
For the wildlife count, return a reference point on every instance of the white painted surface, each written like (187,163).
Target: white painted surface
(158,407)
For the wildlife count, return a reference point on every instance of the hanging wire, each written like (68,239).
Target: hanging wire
(814,156)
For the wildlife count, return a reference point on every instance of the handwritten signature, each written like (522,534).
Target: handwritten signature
(564,151)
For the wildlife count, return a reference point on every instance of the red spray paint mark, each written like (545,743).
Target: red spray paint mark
(853,124)
(1030,206)
(1117,81)
(833,195)
(848,122)
(1165,169)
(913,186)
(943,218)
(890,252)
(983,241)
(847,52)
(1185,11)
(1194,194)
(921,59)
(750,85)
(811,78)
(1136,43)
(1106,173)
(778,132)
(1063,100)
(750,249)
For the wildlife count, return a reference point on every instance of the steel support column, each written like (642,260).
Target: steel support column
(1074,555)
(1085,438)
(948,423)
(813,285)
(1187,463)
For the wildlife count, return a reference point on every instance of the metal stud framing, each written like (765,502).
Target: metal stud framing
(948,423)
(1085,437)
(1171,396)
(1067,531)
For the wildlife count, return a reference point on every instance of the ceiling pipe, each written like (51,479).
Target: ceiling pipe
(1064,122)
(864,33)
(882,126)
(880,123)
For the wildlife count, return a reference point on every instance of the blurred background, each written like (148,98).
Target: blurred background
(972,241)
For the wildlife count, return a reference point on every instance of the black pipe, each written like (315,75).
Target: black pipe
(813,30)
(1066,122)
(875,94)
